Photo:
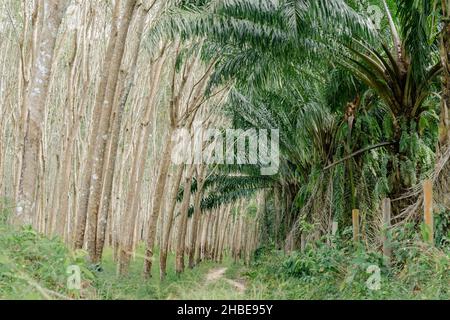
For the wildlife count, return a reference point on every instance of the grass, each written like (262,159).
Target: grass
(418,272)
(34,267)
(189,285)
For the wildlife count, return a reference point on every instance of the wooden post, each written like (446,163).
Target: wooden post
(355,220)
(386,209)
(428,209)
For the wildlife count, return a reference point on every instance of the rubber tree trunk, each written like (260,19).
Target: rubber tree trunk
(198,249)
(277,223)
(168,225)
(35,103)
(217,233)
(80,228)
(139,161)
(157,202)
(62,206)
(223,236)
(183,221)
(196,218)
(103,134)
(204,245)
(111,155)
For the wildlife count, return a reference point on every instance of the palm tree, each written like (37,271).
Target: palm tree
(428,21)
(362,122)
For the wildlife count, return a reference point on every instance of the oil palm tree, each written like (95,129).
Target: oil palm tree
(364,133)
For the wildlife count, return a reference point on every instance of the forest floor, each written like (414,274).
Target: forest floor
(207,281)
(33,266)
(217,274)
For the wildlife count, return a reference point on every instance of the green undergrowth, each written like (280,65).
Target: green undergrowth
(35,267)
(191,284)
(417,271)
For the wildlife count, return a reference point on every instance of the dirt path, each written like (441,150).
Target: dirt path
(218,273)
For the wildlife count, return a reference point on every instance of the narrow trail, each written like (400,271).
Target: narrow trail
(218,273)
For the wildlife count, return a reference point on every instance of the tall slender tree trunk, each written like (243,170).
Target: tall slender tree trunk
(36,100)
(196,217)
(116,121)
(210,234)
(168,224)
(277,222)
(103,134)
(181,240)
(157,202)
(137,170)
(80,228)
(224,234)
(29,41)
(204,242)
(198,249)
(239,236)
(63,185)
(217,231)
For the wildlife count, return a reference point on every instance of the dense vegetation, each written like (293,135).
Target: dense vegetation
(320,272)
(359,91)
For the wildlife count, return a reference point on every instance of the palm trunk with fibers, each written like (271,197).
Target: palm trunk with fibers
(444,126)
(36,100)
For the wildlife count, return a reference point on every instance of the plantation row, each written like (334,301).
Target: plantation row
(115,137)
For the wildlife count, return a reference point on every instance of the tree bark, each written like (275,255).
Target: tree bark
(444,126)
(111,155)
(137,172)
(62,205)
(158,197)
(97,178)
(198,249)
(36,100)
(167,230)
(183,220)
(80,228)
(196,217)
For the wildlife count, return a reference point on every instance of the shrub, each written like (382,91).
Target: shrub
(33,266)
